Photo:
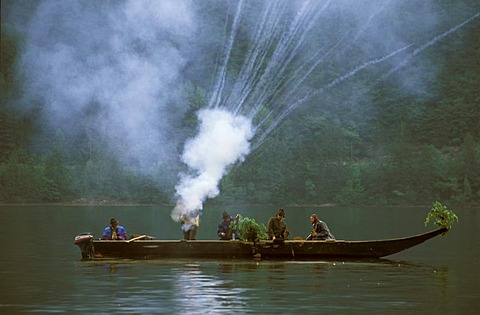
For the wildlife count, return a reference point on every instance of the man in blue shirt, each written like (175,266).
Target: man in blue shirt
(114,231)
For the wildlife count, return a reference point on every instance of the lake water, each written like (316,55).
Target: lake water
(41,270)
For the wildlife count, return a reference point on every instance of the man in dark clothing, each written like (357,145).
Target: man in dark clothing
(320,230)
(277,228)
(224,231)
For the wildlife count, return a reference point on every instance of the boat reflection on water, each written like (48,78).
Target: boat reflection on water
(196,288)
(243,286)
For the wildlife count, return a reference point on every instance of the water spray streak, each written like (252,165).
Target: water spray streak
(272,80)
(363,66)
(298,78)
(277,83)
(309,95)
(217,92)
(258,53)
(267,90)
(425,46)
(300,75)
(282,56)
(405,61)
(369,20)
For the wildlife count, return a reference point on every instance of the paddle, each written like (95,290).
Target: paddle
(136,238)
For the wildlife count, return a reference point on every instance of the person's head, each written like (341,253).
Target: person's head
(113,222)
(226,216)
(313,218)
(281,214)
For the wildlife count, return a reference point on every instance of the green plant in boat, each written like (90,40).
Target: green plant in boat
(249,230)
(441,216)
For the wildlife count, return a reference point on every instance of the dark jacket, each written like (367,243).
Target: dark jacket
(224,227)
(277,228)
(323,233)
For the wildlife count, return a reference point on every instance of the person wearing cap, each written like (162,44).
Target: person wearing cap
(114,231)
(277,228)
(225,232)
(320,230)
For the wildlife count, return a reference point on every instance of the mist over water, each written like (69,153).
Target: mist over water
(117,71)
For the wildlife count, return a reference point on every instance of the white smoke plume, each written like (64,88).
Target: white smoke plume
(222,140)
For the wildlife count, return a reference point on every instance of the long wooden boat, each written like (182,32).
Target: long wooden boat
(143,247)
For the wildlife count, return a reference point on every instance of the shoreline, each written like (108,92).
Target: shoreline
(105,203)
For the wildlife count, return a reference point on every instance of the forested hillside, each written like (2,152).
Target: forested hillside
(388,144)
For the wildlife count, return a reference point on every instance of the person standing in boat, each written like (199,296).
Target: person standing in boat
(277,228)
(225,232)
(114,231)
(320,230)
(189,226)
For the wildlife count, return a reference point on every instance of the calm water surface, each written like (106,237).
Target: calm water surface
(41,270)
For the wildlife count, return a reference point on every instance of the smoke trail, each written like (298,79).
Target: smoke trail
(363,66)
(222,140)
(311,94)
(426,45)
(217,92)
(414,53)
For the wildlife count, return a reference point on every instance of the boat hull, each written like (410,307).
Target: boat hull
(235,249)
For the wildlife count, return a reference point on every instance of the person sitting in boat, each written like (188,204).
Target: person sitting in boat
(114,231)
(320,230)
(277,228)
(225,232)
(189,226)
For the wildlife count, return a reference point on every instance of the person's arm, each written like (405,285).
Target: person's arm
(122,233)
(271,234)
(286,232)
(220,231)
(106,233)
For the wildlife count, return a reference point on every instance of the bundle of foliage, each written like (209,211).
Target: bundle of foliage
(249,230)
(441,215)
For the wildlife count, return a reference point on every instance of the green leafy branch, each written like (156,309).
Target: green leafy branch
(249,230)
(441,216)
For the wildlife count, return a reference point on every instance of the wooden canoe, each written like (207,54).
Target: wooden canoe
(141,248)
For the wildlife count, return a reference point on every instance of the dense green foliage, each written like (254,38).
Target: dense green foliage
(396,149)
(250,230)
(441,215)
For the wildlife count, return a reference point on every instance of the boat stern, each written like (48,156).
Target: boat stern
(85,242)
